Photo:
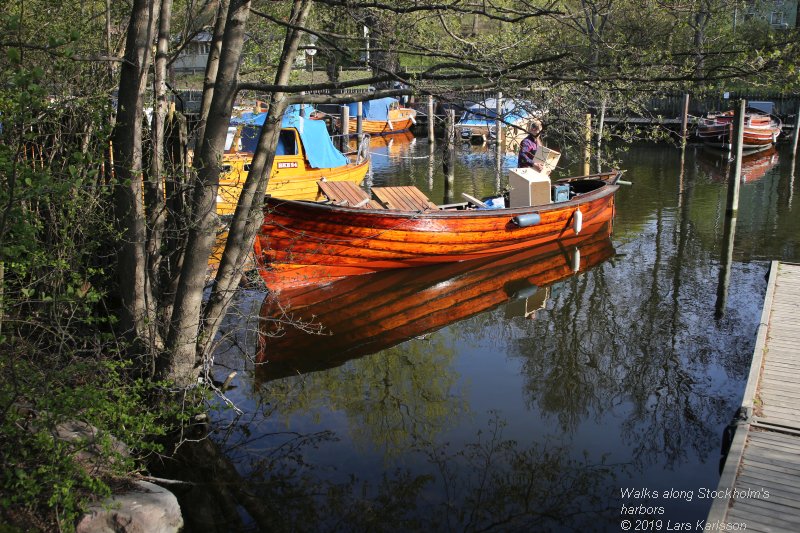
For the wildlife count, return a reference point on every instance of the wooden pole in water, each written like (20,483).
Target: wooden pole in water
(498,120)
(731,212)
(587,145)
(449,156)
(431,119)
(498,149)
(735,178)
(796,133)
(600,125)
(685,120)
(345,127)
(360,121)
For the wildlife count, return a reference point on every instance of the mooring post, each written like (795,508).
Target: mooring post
(360,121)
(449,156)
(498,120)
(501,138)
(685,120)
(735,178)
(345,128)
(431,119)
(600,125)
(796,133)
(587,145)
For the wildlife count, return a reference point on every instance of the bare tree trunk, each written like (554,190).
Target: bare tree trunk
(249,210)
(179,363)
(154,187)
(212,67)
(177,205)
(701,19)
(129,204)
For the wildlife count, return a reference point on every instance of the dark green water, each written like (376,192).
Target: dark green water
(525,395)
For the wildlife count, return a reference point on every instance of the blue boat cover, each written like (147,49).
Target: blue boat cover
(318,146)
(373,109)
(486,113)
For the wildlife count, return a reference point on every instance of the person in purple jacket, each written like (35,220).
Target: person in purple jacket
(528,146)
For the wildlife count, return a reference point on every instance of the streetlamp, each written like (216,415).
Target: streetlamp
(312,51)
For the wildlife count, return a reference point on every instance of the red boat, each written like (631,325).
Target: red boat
(313,328)
(310,243)
(761,130)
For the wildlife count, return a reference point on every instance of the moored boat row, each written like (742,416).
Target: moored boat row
(761,130)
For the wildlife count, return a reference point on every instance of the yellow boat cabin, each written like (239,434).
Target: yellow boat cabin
(304,156)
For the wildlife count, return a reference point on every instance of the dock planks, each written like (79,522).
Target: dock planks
(761,475)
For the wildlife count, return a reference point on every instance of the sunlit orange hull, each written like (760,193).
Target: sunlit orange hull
(307,243)
(364,314)
(399,120)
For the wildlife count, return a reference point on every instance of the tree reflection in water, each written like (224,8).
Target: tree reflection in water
(491,484)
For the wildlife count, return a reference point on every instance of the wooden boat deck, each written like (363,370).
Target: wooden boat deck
(347,193)
(403,198)
(761,476)
(406,198)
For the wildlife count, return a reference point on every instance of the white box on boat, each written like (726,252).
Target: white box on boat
(528,187)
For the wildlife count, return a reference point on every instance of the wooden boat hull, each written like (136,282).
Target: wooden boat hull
(760,131)
(309,243)
(399,120)
(361,315)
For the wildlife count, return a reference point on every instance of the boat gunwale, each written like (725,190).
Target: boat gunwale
(609,187)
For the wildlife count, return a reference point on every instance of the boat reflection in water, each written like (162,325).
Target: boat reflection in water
(315,328)
(386,150)
(755,165)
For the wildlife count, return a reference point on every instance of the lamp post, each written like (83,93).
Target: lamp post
(312,51)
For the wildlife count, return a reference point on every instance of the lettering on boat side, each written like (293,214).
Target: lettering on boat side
(289,164)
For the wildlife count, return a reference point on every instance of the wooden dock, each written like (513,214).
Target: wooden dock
(760,483)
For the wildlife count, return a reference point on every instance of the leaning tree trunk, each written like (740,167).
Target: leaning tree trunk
(179,362)
(212,67)
(249,215)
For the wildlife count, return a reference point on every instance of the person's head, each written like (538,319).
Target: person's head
(535,127)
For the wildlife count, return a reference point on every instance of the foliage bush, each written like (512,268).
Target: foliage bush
(59,356)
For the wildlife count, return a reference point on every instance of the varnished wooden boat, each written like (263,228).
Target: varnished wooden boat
(361,315)
(297,166)
(382,116)
(761,130)
(310,243)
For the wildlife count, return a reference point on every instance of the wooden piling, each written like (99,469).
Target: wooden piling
(685,120)
(360,121)
(345,128)
(449,155)
(796,133)
(431,119)
(498,122)
(587,145)
(498,148)
(735,178)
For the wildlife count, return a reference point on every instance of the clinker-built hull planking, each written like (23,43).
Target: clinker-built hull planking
(302,242)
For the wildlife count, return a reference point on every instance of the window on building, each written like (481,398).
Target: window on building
(776,18)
